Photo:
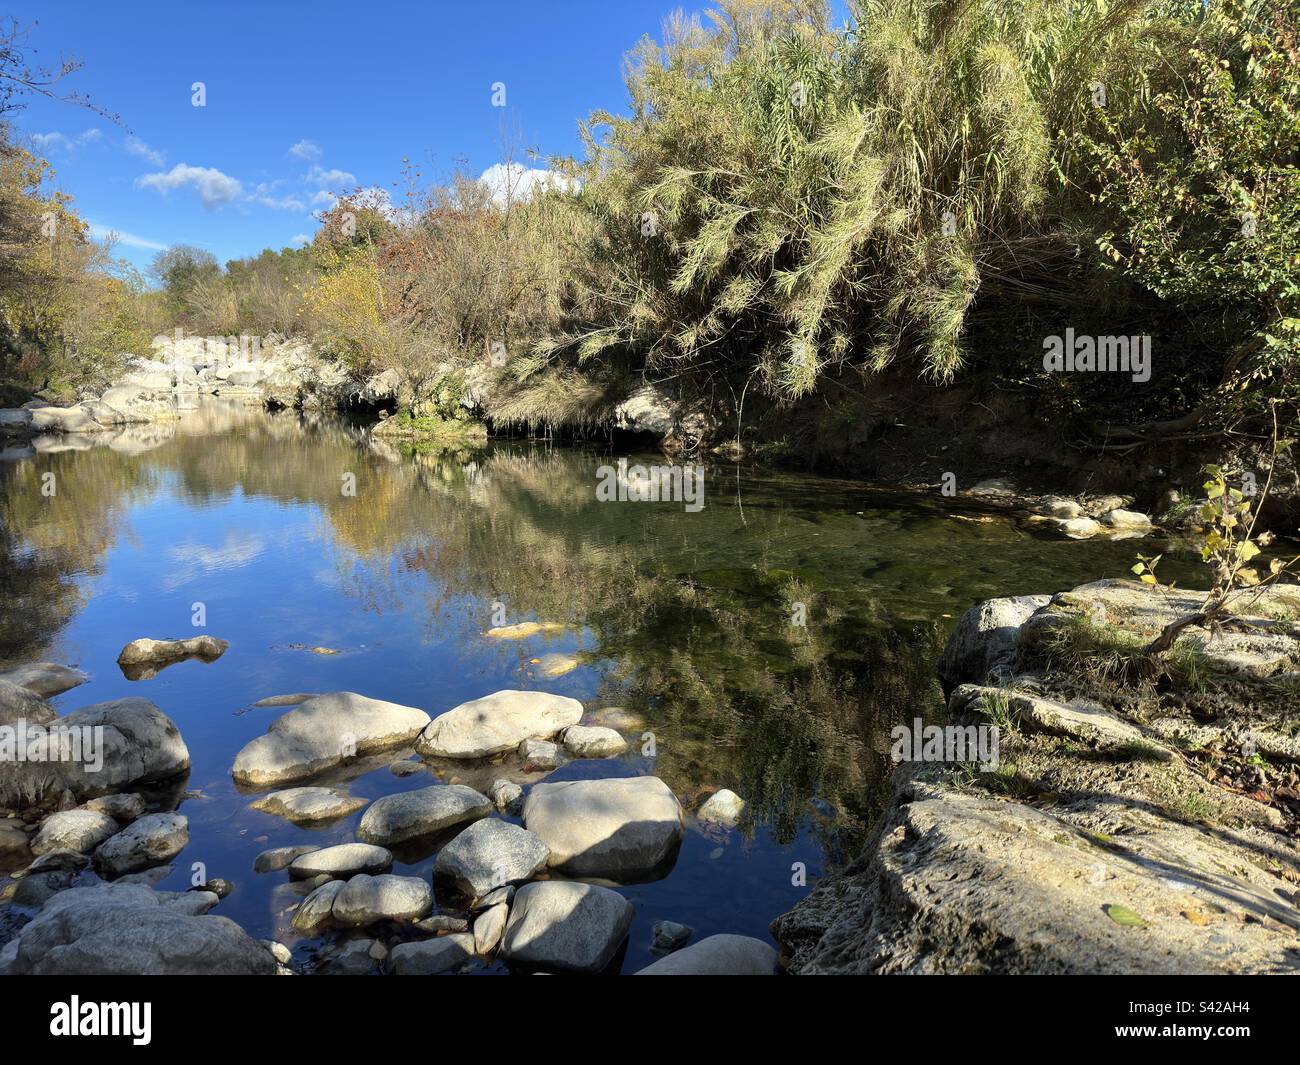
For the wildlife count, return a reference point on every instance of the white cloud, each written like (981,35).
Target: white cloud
(306,149)
(300,241)
(136,146)
(214,188)
(265,195)
(330,178)
(55,139)
(324,199)
(100,232)
(511,181)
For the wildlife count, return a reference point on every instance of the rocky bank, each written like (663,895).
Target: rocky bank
(1134,823)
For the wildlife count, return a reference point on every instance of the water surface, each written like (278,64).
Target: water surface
(690,619)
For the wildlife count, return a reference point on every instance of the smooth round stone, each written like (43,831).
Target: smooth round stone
(488,855)
(428,957)
(413,814)
(721,955)
(366,899)
(489,926)
(152,840)
(302,806)
(566,926)
(622,829)
(593,741)
(277,858)
(722,808)
(497,723)
(316,910)
(343,860)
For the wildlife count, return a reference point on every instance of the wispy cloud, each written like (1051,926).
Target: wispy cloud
(306,149)
(266,195)
(330,178)
(101,232)
(215,189)
(136,146)
(300,241)
(55,139)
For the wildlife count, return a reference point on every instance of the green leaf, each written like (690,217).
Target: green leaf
(1123,915)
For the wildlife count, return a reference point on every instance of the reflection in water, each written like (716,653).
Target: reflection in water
(768,642)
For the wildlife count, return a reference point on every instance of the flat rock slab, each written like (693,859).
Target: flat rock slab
(413,814)
(963,883)
(74,830)
(720,955)
(303,806)
(497,723)
(140,745)
(152,840)
(624,829)
(566,926)
(524,629)
(126,929)
(344,860)
(367,899)
(324,732)
(428,957)
(490,854)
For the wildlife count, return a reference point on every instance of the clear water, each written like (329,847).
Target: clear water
(683,617)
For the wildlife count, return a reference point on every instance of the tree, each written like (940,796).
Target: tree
(179,270)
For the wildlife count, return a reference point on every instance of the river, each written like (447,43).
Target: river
(768,640)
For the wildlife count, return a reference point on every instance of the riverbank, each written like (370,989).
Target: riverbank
(1131,826)
(963,439)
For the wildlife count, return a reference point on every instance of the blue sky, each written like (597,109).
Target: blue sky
(304,100)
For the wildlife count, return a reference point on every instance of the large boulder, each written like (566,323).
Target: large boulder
(490,854)
(566,926)
(959,882)
(413,814)
(324,732)
(985,639)
(64,420)
(123,743)
(497,723)
(720,955)
(152,840)
(626,829)
(127,929)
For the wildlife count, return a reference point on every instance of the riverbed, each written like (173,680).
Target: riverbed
(766,641)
